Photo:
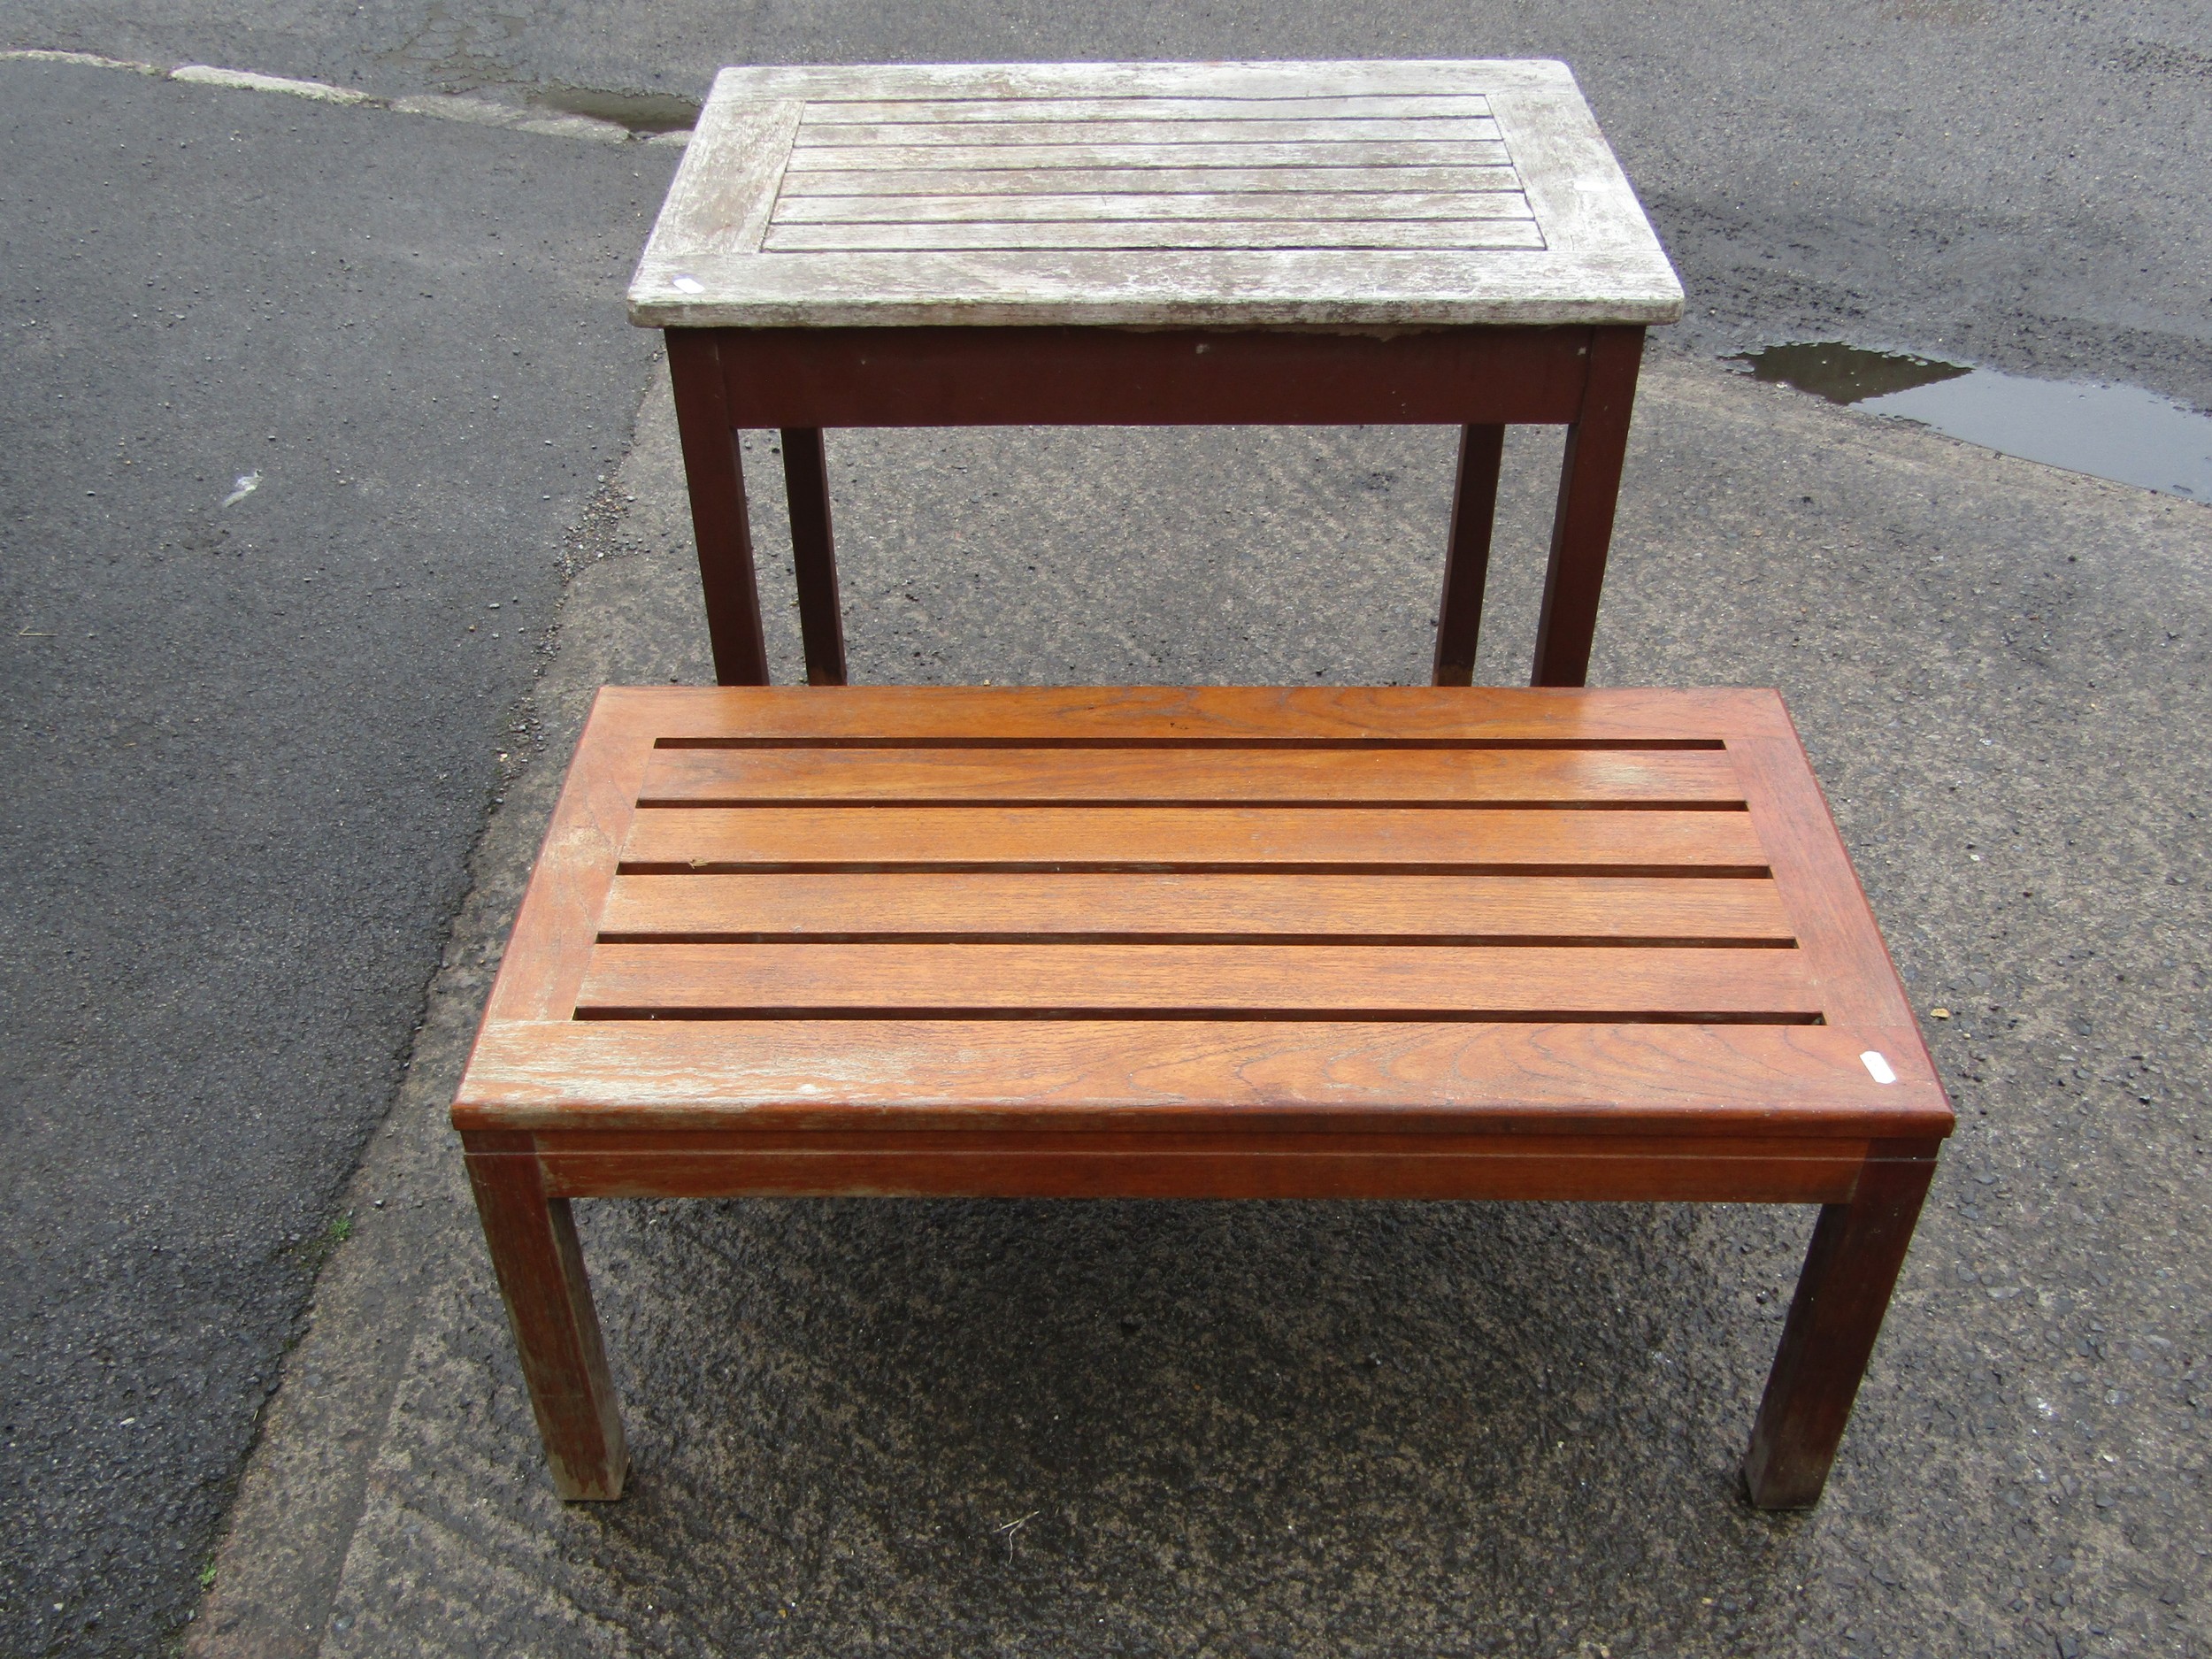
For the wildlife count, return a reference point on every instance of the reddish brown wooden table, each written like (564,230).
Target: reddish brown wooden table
(1226,943)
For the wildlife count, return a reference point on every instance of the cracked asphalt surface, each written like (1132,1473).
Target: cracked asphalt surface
(253,745)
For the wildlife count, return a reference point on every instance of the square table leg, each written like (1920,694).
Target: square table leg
(1842,1293)
(1467,554)
(541,1272)
(814,554)
(1582,525)
(715,478)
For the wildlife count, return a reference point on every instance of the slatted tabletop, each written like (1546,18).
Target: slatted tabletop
(1608,912)
(1368,192)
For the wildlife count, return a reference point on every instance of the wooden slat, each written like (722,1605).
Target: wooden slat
(552,940)
(969,717)
(989,112)
(1230,135)
(1394,153)
(1501,841)
(942,181)
(1249,204)
(1529,776)
(725,191)
(1823,891)
(1402,234)
(1089,1076)
(1468,910)
(1224,981)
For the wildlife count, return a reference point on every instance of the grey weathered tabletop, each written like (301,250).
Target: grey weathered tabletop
(1436,193)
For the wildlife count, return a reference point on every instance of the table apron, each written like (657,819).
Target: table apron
(1068,376)
(1701,1170)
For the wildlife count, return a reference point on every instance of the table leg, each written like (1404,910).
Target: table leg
(1582,525)
(1467,554)
(541,1272)
(715,478)
(813,554)
(1842,1293)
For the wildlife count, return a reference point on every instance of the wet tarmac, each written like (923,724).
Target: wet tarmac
(2122,433)
(643,112)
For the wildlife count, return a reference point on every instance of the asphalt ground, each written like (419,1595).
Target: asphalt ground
(917,1427)
(2014,185)
(248,747)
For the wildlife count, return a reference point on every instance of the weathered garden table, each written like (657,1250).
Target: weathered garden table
(1153,245)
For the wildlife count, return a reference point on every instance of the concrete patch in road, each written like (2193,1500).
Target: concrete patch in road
(476,111)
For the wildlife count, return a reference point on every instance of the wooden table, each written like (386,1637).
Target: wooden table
(1148,244)
(1225,943)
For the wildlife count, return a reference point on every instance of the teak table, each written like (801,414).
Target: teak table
(1225,943)
(1152,244)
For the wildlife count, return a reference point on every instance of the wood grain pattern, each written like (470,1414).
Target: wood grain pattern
(1007,132)
(1192,909)
(714,474)
(553,929)
(531,1238)
(995,111)
(1059,126)
(1483,231)
(1582,524)
(1255,203)
(1489,842)
(1536,983)
(1181,716)
(886,1169)
(1137,156)
(1533,778)
(872,979)
(1045,376)
(1244,1077)
(1124,204)
(802,191)
(1851,1266)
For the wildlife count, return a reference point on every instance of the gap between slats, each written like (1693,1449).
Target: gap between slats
(1217,744)
(1218,1016)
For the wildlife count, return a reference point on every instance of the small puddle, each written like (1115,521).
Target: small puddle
(2118,432)
(643,112)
